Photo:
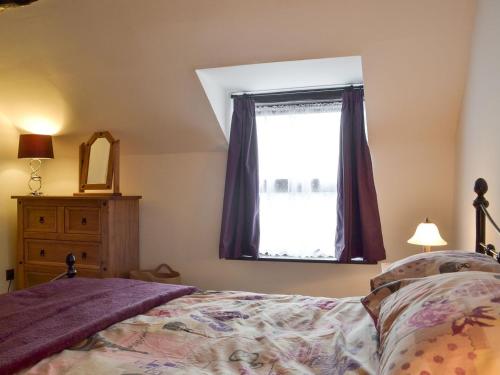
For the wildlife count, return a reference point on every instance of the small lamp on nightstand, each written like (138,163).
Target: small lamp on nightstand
(35,147)
(427,235)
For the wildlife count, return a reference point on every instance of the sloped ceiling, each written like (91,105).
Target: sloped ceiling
(129,66)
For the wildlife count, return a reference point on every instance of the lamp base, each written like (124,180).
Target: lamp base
(35,182)
(427,249)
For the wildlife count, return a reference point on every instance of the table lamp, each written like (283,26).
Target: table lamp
(427,235)
(35,147)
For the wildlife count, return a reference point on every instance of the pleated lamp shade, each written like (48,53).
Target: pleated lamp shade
(35,146)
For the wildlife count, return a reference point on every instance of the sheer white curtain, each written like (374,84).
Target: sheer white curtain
(298,162)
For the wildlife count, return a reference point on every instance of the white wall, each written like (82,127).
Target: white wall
(180,225)
(479,134)
(13,179)
(144,89)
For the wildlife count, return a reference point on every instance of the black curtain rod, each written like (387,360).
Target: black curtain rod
(296,92)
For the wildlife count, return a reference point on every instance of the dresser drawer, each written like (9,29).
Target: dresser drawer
(40,219)
(82,220)
(34,276)
(42,251)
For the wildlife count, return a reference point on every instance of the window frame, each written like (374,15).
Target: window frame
(296,97)
(302,260)
(298,239)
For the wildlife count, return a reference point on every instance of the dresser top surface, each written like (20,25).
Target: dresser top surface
(77,197)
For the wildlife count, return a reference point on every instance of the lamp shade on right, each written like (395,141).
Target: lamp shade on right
(427,234)
(35,146)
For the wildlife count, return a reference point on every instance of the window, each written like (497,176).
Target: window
(280,202)
(298,148)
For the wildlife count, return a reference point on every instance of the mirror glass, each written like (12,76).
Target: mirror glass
(98,161)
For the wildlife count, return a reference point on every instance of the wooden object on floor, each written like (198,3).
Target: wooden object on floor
(161,274)
(101,231)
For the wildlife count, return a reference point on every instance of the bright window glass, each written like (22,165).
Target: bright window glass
(298,165)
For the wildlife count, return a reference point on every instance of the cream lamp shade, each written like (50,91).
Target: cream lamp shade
(427,235)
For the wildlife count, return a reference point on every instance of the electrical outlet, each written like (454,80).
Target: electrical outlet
(9,274)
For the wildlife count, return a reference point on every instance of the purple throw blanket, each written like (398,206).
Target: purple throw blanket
(43,320)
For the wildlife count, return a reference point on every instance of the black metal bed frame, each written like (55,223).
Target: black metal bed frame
(481,205)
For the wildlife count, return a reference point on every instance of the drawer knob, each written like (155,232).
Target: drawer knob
(84,221)
(42,252)
(84,255)
(42,220)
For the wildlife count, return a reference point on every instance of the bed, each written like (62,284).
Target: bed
(229,333)
(427,314)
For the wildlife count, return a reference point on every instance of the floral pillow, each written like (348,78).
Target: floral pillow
(436,262)
(442,324)
(373,301)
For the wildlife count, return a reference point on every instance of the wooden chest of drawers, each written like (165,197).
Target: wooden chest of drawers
(101,231)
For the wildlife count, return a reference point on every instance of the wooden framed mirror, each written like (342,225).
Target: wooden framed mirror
(99,164)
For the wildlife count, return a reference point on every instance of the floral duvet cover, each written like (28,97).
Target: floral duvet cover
(230,333)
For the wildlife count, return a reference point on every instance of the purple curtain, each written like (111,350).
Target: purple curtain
(240,230)
(359,233)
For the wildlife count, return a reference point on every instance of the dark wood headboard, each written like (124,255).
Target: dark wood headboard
(481,205)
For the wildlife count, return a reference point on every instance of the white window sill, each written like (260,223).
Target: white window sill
(301,260)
